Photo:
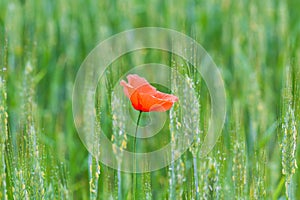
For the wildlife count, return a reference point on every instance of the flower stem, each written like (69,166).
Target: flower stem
(134,177)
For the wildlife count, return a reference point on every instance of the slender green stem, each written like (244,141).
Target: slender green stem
(119,184)
(136,129)
(134,158)
(196,177)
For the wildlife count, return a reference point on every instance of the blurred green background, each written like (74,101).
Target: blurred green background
(255,44)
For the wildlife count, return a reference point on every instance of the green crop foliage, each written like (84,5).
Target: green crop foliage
(256,46)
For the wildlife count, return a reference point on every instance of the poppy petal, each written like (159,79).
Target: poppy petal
(151,103)
(140,84)
(165,96)
(128,89)
(144,97)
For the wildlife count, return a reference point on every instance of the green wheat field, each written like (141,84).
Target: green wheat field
(256,46)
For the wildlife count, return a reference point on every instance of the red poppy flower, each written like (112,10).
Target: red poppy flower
(145,97)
